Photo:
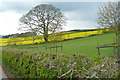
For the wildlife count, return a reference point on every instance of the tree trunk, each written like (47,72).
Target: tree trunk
(116,48)
(46,34)
(117,52)
(46,37)
(118,28)
(119,45)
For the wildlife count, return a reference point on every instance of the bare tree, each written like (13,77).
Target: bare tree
(43,19)
(108,17)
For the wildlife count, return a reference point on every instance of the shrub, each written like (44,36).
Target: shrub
(31,64)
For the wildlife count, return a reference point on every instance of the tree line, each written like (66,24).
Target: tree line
(26,34)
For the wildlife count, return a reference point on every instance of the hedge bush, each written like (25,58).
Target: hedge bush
(31,64)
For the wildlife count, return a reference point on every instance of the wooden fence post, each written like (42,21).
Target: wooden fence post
(98,51)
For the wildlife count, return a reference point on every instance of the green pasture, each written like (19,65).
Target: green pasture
(85,46)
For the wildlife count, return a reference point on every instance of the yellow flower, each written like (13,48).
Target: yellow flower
(52,37)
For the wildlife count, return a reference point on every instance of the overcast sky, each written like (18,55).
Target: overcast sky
(80,15)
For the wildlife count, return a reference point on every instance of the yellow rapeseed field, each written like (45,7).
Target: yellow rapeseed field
(52,37)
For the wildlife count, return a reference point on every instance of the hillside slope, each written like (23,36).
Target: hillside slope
(81,46)
(52,37)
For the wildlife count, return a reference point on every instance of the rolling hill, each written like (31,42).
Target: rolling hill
(85,45)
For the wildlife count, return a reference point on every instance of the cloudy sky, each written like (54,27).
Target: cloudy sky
(80,15)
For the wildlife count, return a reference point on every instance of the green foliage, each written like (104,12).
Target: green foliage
(31,64)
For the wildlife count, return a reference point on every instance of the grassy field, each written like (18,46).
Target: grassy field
(80,46)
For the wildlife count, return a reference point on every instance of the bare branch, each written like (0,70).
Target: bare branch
(42,19)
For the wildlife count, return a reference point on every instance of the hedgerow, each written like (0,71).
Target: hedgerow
(31,64)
